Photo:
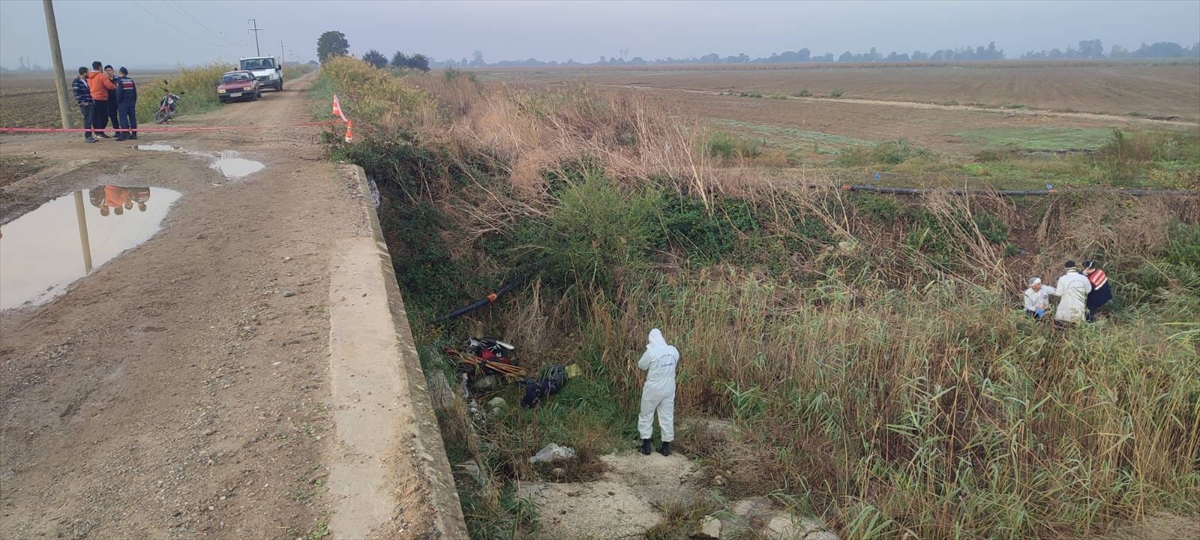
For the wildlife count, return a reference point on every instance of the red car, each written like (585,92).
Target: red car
(237,85)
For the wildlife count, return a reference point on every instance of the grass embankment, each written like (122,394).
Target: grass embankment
(868,348)
(200,85)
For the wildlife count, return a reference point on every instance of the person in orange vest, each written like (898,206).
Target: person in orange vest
(100,84)
(116,197)
(1101,291)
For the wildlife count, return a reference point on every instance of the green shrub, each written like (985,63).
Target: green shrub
(803,93)
(882,209)
(837,92)
(727,146)
(699,235)
(895,152)
(596,234)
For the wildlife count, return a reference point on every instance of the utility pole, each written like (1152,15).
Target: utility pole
(60,76)
(282,57)
(256,30)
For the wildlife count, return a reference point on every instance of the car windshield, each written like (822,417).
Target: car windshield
(235,77)
(258,63)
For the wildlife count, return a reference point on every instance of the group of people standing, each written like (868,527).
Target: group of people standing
(117,199)
(103,95)
(1082,294)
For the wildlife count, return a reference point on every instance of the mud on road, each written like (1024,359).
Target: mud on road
(179,390)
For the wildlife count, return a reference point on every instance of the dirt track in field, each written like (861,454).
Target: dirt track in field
(1108,89)
(177,391)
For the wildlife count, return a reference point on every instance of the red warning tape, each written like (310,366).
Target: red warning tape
(337,111)
(162,129)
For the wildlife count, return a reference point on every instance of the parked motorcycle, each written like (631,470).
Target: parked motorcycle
(166,107)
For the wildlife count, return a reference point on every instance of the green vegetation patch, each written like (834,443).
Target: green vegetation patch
(1039,139)
(793,138)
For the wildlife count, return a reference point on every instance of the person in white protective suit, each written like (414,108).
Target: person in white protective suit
(1073,287)
(658,394)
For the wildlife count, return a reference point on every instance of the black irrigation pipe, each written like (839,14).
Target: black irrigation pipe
(1013,192)
(489,299)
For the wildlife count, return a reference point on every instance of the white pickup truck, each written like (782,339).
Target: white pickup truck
(268,72)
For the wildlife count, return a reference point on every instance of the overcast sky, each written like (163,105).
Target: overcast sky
(150,32)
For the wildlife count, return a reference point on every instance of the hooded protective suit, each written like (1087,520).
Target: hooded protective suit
(658,393)
(1073,287)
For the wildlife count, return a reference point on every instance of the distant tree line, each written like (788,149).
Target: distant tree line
(334,43)
(1094,49)
(1089,49)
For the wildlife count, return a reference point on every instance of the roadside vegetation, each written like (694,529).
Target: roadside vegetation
(199,83)
(869,349)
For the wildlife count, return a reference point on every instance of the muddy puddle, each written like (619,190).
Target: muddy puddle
(157,147)
(231,165)
(44,251)
(234,167)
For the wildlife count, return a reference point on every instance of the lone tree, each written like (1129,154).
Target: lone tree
(416,61)
(400,60)
(330,44)
(375,58)
(419,61)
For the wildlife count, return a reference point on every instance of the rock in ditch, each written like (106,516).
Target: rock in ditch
(552,452)
(710,530)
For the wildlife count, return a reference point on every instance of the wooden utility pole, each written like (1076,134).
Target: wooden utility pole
(60,75)
(282,57)
(256,30)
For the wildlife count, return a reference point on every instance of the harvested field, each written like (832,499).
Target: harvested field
(1164,91)
(29,100)
(796,122)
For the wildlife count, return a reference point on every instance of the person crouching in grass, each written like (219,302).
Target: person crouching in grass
(83,98)
(1037,298)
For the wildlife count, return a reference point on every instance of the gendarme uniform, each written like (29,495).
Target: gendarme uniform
(127,105)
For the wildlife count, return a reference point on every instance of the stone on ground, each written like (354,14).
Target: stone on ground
(552,452)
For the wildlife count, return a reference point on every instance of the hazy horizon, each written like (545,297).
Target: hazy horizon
(170,33)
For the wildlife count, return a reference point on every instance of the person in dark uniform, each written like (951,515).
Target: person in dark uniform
(112,99)
(1101,290)
(126,98)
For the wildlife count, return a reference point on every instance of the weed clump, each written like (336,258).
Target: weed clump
(885,153)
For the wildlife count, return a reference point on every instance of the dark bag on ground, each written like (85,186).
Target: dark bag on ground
(550,383)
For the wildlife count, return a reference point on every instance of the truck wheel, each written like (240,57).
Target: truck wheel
(279,86)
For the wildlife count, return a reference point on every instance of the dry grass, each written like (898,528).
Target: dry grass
(867,349)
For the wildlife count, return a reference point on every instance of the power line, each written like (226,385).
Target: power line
(136,3)
(179,8)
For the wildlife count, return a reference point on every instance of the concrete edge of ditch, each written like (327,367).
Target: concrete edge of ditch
(389,475)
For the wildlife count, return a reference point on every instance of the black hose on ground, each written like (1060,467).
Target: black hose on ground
(491,298)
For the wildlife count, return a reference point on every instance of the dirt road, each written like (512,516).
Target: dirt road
(179,390)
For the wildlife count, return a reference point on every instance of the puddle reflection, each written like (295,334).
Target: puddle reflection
(44,251)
